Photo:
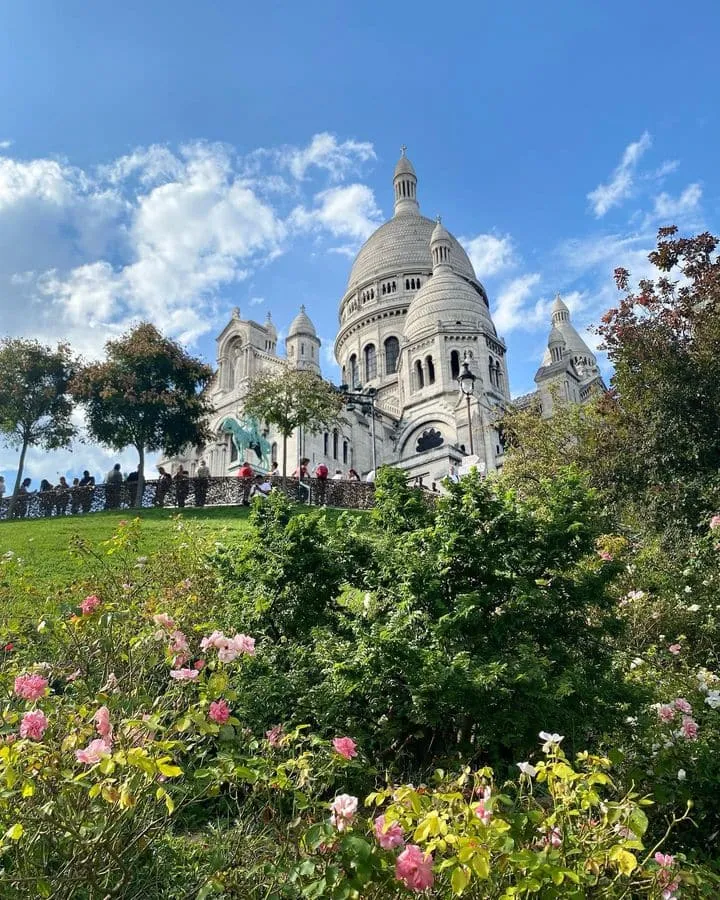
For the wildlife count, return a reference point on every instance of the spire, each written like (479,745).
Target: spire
(560,312)
(440,247)
(405,187)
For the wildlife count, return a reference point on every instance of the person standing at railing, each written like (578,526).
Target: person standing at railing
(202,480)
(87,483)
(182,486)
(302,475)
(245,474)
(131,481)
(113,486)
(75,497)
(46,497)
(62,496)
(321,474)
(23,499)
(163,486)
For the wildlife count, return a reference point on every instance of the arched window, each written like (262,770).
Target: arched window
(326,443)
(499,375)
(392,351)
(302,349)
(233,450)
(345,452)
(454,365)
(430,369)
(407,284)
(354,381)
(335,444)
(344,373)
(273,452)
(418,283)
(370,362)
(383,290)
(491,368)
(419,377)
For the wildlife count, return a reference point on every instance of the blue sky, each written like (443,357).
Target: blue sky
(173,160)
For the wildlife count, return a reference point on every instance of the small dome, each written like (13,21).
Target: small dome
(446,298)
(301,324)
(404,166)
(440,233)
(270,325)
(559,305)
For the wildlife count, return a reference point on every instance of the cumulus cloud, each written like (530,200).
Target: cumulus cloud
(349,211)
(605,196)
(512,302)
(5,145)
(489,253)
(325,152)
(256,301)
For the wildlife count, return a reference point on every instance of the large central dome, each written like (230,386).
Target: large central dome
(402,245)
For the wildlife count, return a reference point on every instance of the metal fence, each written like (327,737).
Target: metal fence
(191,492)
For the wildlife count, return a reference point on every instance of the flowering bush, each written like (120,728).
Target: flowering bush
(557,831)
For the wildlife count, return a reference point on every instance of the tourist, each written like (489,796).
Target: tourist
(274,470)
(182,486)
(453,474)
(113,486)
(87,483)
(202,481)
(321,474)
(131,480)
(2,487)
(302,475)
(261,487)
(163,486)
(245,474)
(370,477)
(75,497)
(23,499)
(353,475)
(338,476)
(46,497)
(62,496)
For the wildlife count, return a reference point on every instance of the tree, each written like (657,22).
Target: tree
(664,342)
(35,406)
(147,394)
(291,399)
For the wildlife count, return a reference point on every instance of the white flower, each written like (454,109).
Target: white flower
(681,775)
(713,699)
(527,769)
(688,589)
(636,662)
(550,740)
(694,607)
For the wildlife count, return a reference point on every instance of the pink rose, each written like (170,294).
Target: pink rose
(689,728)
(33,725)
(414,868)
(30,687)
(219,712)
(483,814)
(345,746)
(274,735)
(664,860)
(93,753)
(215,641)
(675,649)
(184,674)
(90,604)
(666,712)
(199,664)
(244,644)
(178,642)
(102,723)
(343,809)
(163,620)
(682,704)
(388,837)
(605,556)
(715,523)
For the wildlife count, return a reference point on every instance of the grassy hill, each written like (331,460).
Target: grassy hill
(46,544)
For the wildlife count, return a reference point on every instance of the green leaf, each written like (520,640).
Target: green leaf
(15,832)
(459,880)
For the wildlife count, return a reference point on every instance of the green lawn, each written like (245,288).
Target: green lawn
(45,544)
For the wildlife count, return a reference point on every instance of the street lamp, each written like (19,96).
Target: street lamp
(466,380)
(365,401)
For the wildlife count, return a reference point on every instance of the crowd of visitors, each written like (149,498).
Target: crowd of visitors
(117,491)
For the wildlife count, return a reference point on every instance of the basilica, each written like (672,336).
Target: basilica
(422,362)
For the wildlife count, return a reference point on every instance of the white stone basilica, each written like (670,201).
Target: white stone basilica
(413,313)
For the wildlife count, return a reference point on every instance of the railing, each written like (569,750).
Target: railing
(192,492)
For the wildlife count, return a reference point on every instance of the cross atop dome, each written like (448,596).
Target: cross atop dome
(403,149)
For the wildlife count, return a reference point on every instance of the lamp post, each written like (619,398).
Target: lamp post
(365,400)
(466,380)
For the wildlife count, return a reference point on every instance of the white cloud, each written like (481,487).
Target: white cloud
(489,253)
(256,301)
(511,305)
(5,145)
(620,185)
(325,152)
(674,209)
(349,211)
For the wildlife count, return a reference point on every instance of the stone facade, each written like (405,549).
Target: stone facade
(413,313)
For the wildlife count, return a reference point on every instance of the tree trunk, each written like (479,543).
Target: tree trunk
(284,457)
(141,476)
(18,479)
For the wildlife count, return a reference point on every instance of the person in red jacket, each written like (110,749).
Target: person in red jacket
(321,473)
(245,473)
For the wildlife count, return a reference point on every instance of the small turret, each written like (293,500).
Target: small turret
(302,343)
(405,187)
(556,344)
(440,247)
